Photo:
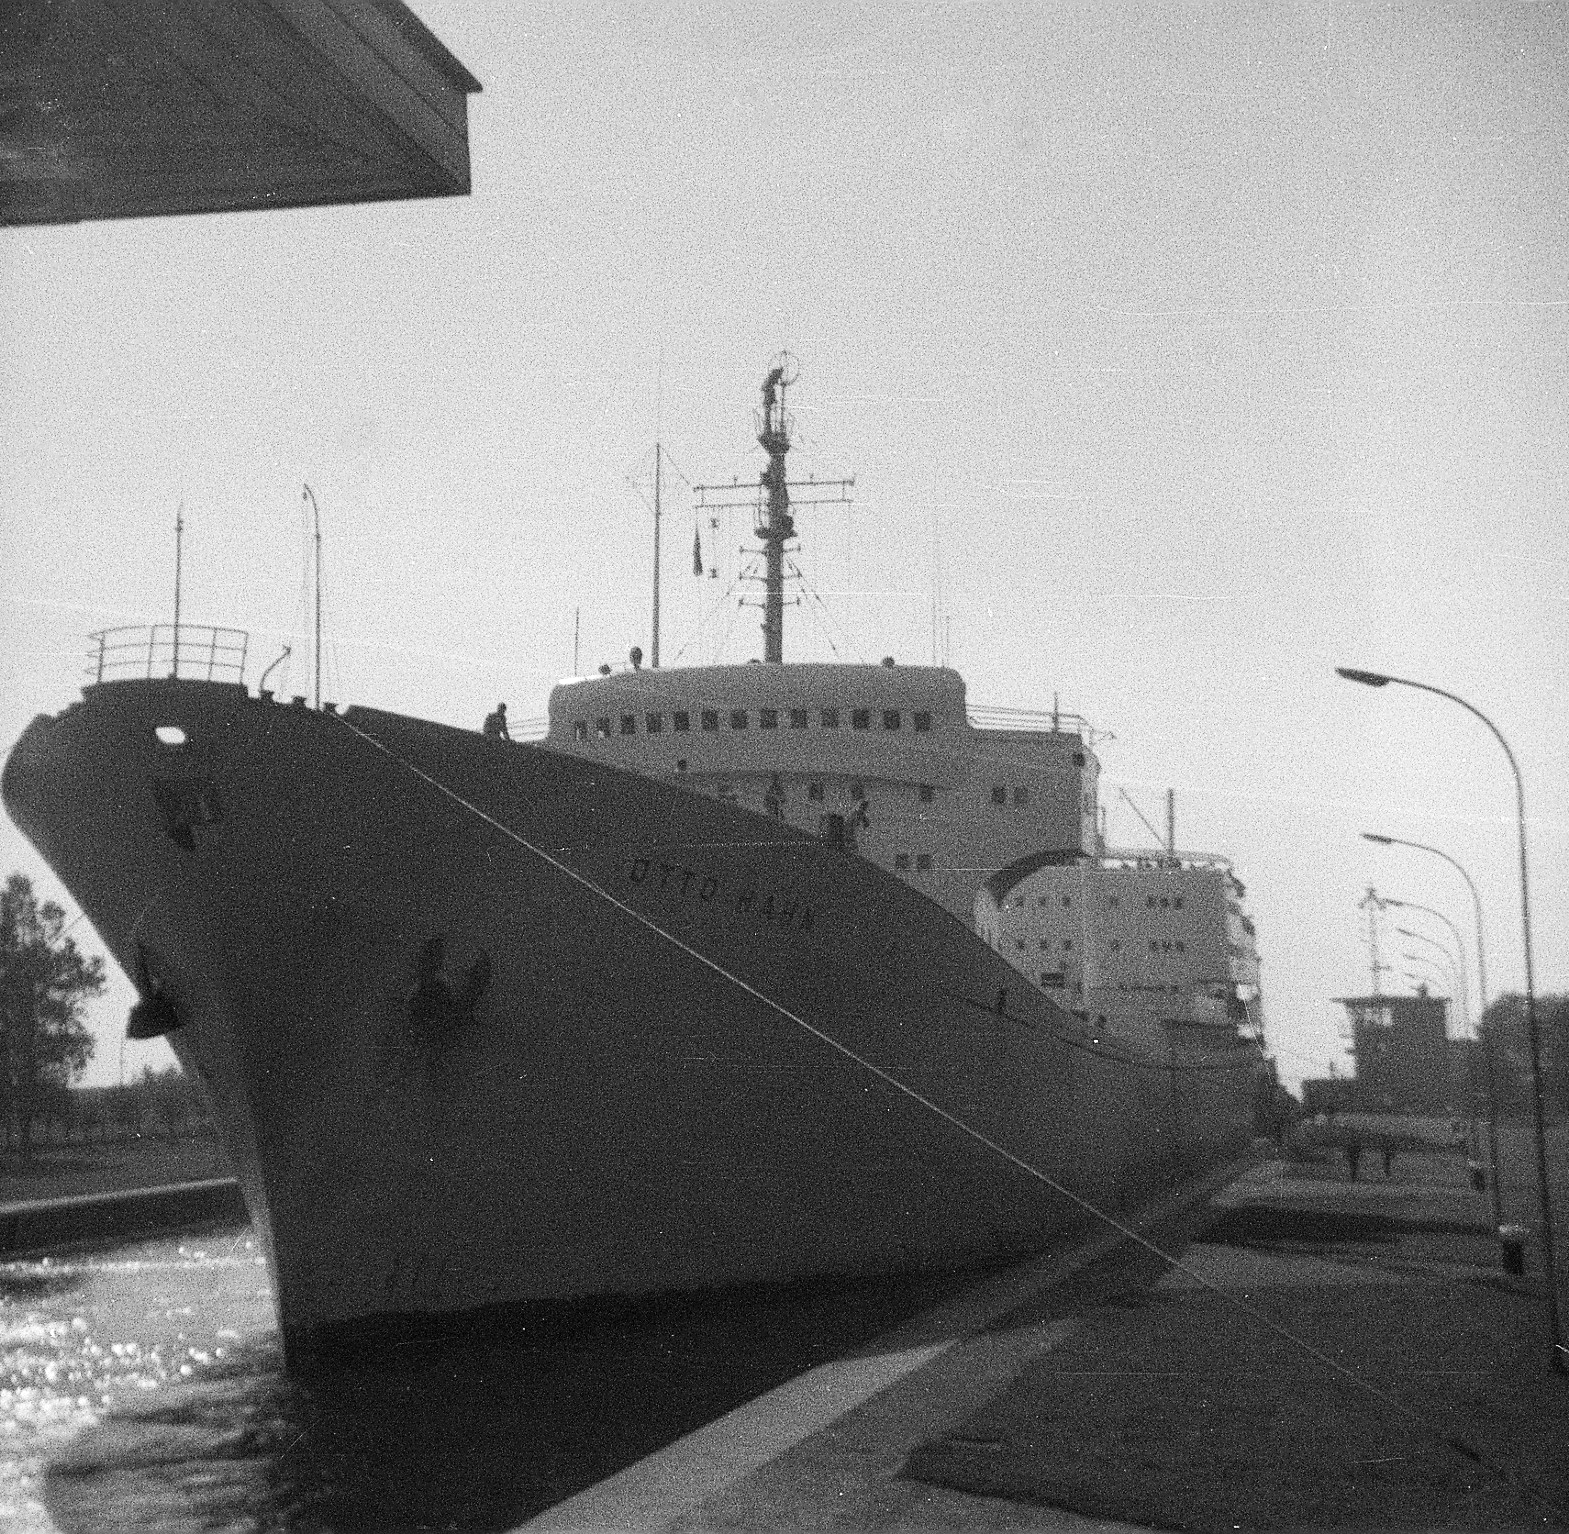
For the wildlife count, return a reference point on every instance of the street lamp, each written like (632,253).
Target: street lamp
(1450,975)
(1488,1082)
(1559,1354)
(1463,980)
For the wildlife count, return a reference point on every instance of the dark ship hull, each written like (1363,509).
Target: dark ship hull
(486,1025)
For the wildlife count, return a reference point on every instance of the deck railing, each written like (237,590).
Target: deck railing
(194,652)
(983,718)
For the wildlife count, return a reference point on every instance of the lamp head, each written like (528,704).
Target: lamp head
(1367,678)
(1373,836)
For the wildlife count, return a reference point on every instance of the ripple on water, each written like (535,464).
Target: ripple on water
(143,1390)
(86,1338)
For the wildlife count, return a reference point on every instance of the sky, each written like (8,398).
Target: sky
(1180,352)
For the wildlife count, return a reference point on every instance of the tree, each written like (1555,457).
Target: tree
(1506,1035)
(45,981)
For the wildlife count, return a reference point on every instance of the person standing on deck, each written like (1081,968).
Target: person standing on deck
(496,723)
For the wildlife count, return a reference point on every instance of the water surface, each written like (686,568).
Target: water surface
(143,1389)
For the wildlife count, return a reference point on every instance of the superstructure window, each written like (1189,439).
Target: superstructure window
(1067,945)
(681,721)
(923,862)
(891,719)
(602,729)
(580,729)
(768,718)
(830,719)
(738,719)
(1115,945)
(1045,945)
(1113,901)
(923,722)
(999,794)
(860,719)
(1021,796)
(1177,902)
(901,860)
(629,724)
(1067,901)
(814,792)
(926,793)
(711,719)
(655,724)
(797,718)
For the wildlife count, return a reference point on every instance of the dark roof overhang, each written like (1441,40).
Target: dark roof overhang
(131,108)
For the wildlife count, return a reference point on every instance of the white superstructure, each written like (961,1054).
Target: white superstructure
(885,759)
(1133,940)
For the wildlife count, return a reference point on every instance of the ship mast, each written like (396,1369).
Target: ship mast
(775,525)
(658,465)
(310,495)
(179,540)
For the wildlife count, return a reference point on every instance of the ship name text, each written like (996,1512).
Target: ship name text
(685,883)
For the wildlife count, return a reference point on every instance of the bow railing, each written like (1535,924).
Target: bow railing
(192,652)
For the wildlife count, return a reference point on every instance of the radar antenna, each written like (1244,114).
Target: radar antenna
(772,501)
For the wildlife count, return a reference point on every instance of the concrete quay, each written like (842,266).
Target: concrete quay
(56,1224)
(1310,1352)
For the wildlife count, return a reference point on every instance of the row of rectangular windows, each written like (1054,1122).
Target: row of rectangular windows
(1113,946)
(923,861)
(740,719)
(1164,903)
(814,791)
(1055,980)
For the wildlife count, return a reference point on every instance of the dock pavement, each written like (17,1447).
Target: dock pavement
(1302,1351)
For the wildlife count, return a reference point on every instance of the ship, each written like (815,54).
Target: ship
(718,983)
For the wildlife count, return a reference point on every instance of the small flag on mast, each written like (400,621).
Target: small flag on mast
(697,552)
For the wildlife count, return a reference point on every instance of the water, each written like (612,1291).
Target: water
(142,1389)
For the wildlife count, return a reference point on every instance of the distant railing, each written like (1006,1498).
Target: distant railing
(193,651)
(1029,719)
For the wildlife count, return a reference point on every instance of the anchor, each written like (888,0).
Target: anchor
(154,1013)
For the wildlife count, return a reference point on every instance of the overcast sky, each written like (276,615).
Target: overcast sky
(1191,350)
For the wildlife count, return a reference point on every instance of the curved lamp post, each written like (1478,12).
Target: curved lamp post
(1458,985)
(1559,1354)
(1452,977)
(1462,974)
(1458,976)
(1489,1084)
